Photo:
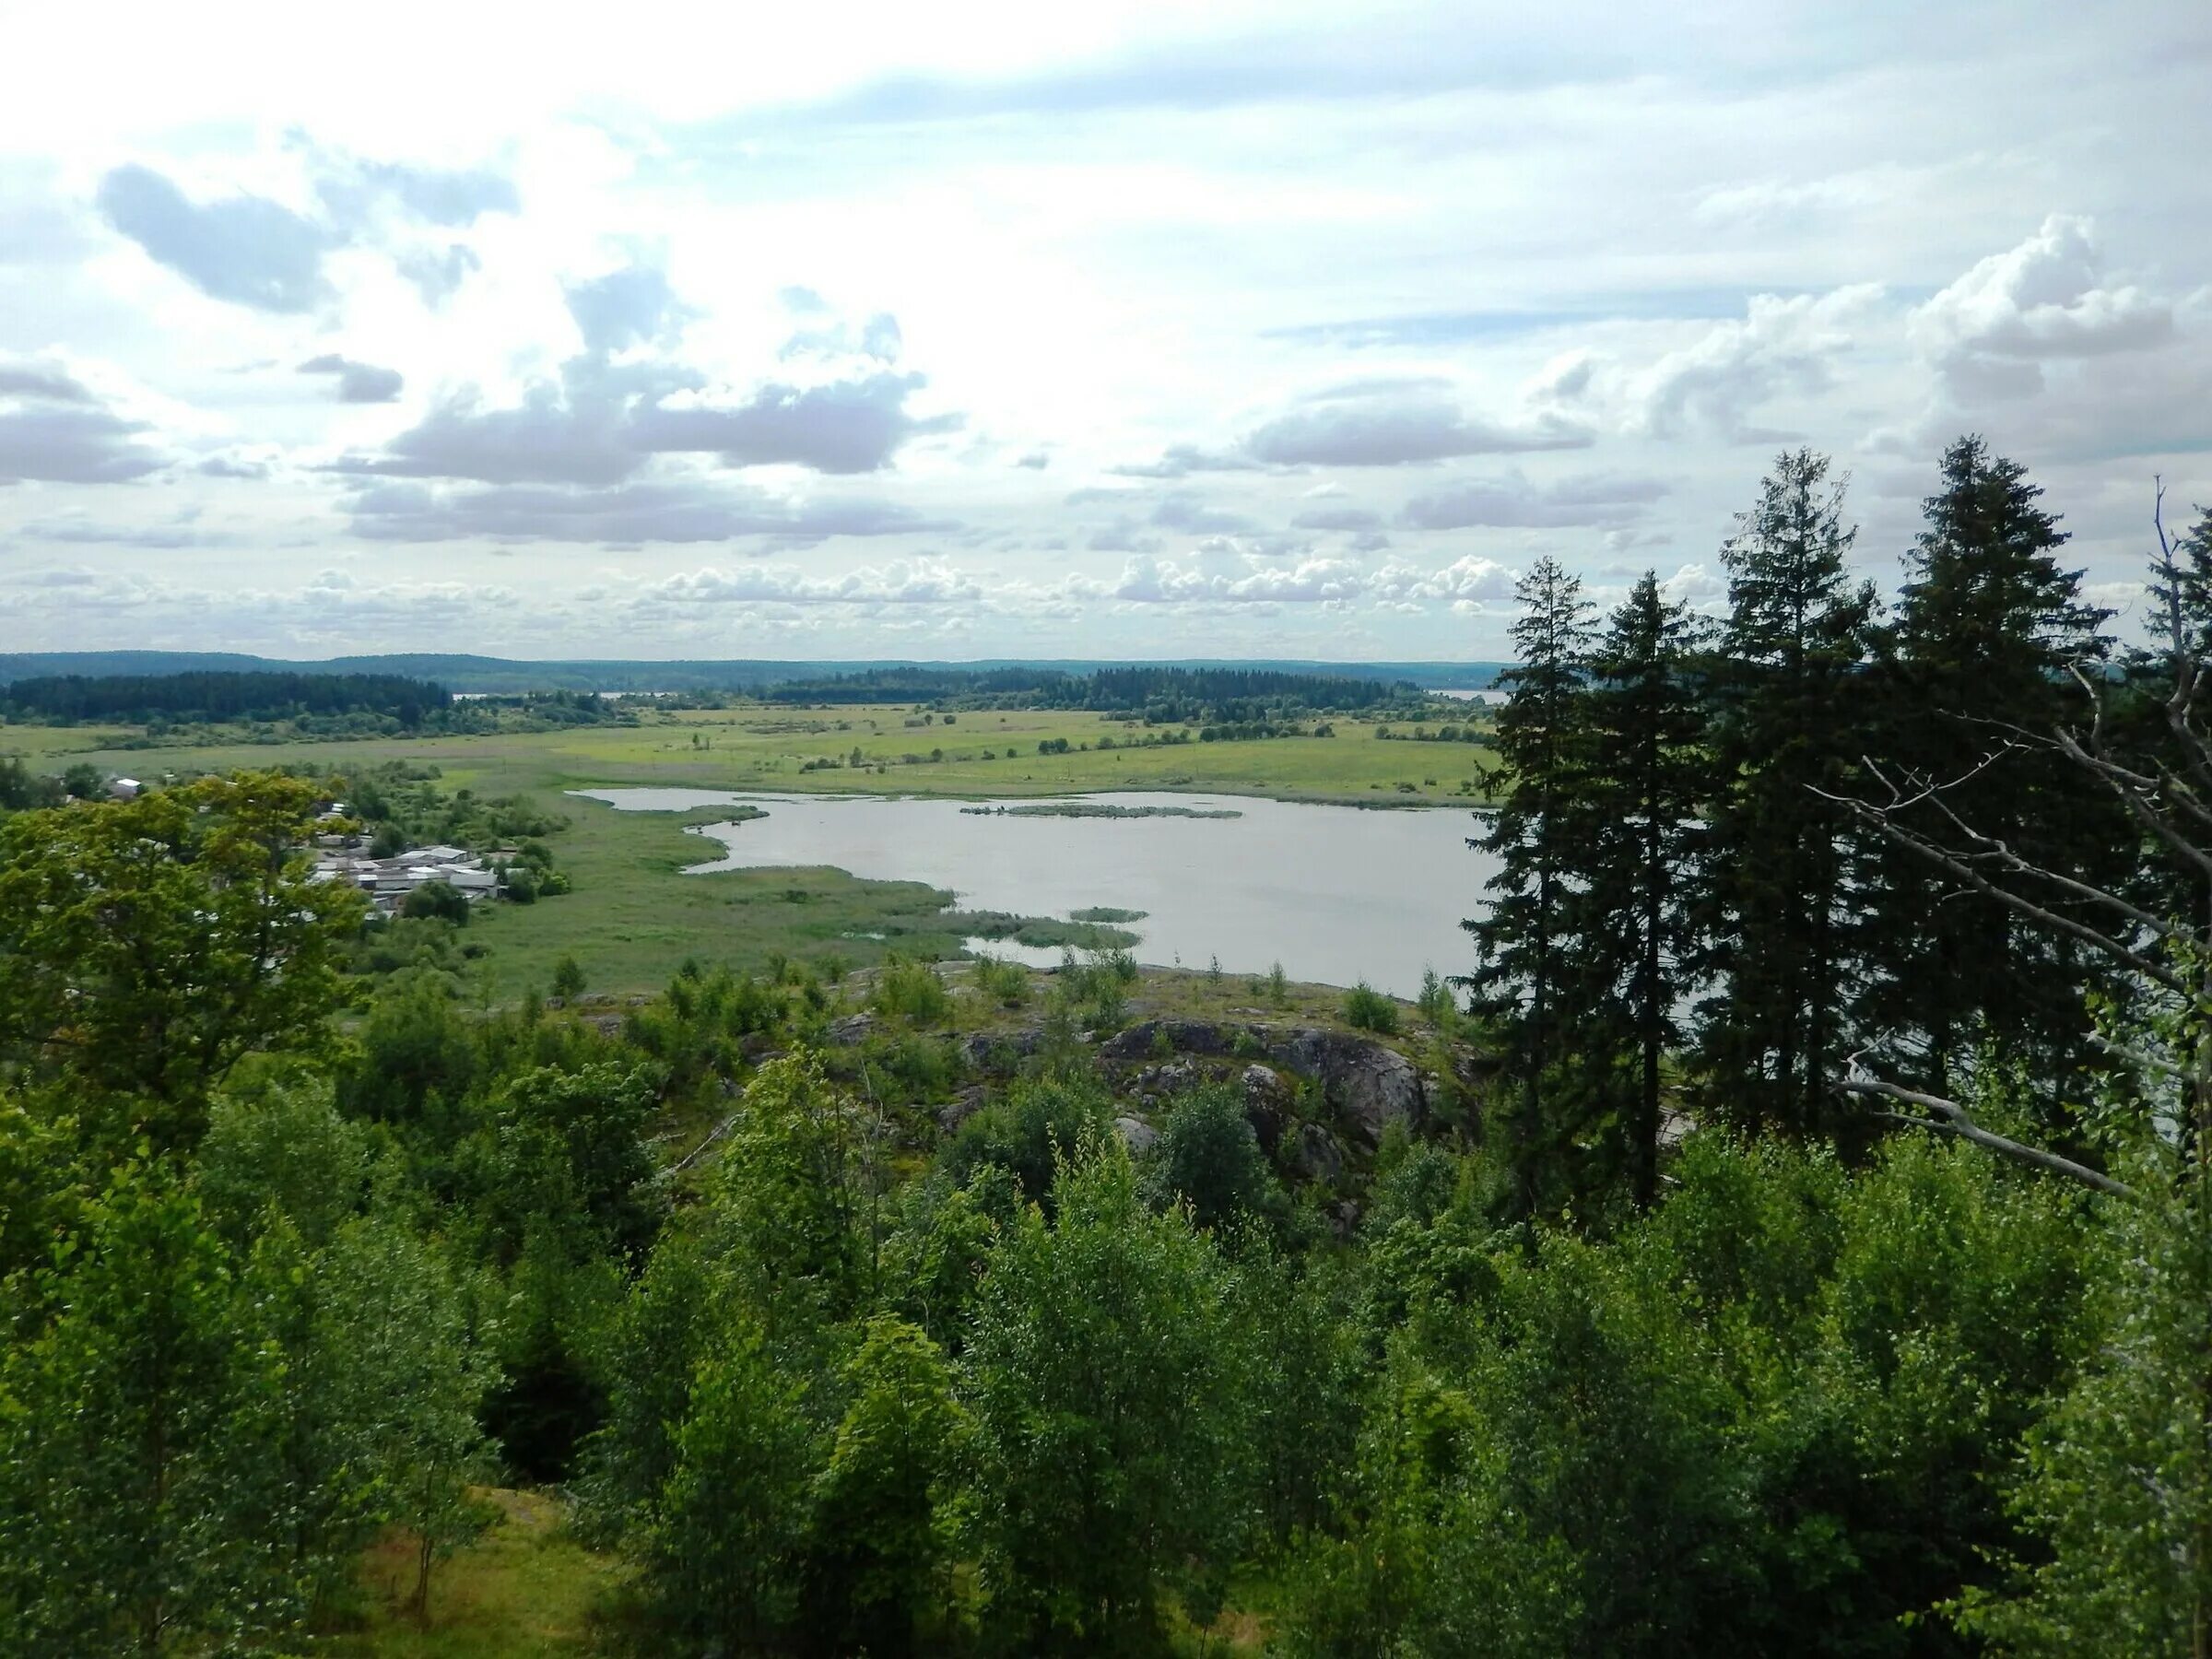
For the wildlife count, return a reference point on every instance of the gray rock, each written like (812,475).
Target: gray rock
(1136,1135)
(1370,1086)
(1001,1053)
(959,1109)
(851,1031)
(1313,1153)
(1266,1104)
(1184,1036)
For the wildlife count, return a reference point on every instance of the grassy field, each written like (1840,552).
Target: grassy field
(633,918)
(525,1589)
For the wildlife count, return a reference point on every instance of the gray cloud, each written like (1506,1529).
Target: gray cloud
(853,426)
(435,273)
(225,466)
(679,510)
(918,582)
(1124,536)
(601,422)
(352,190)
(1338,518)
(41,383)
(628,307)
(91,533)
(1990,333)
(1392,429)
(1189,514)
(1595,498)
(357,383)
(1035,460)
(1715,384)
(60,434)
(1180,460)
(878,338)
(243,249)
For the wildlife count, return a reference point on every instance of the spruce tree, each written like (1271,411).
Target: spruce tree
(1977,675)
(1650,780)
(1789,865)
(1539,833)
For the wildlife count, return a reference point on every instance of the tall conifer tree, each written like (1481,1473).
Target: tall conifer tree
(1789,866)
(1539,833)
(1650,780)
(1987,626)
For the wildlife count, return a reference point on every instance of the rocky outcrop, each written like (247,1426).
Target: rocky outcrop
(1370,1086)
(1000,1053)
(1313,1153)
(1367,1083)
(1150,1037)
(1268,1105)
(1136,1135)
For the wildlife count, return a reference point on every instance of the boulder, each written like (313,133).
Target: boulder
(1313,1153)
(999,1053)
(1370,1086)
(1136,1135)
(959,1109)
(1141,1041)
(1266,1103)
(851,1031)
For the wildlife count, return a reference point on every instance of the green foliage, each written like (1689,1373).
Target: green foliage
(1106,1385)
(137,1442)
(2115,1493)
(1792,729)
(889,1509)
(722,1553)
(1029,1130)
(147,946)
(1209,1158)
(568,978)
(1367,1009)
(282,1146)
(912,992)
(415,1052)
(1000,983)
(440,899)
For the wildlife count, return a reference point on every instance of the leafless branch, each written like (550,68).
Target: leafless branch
(1950,1118)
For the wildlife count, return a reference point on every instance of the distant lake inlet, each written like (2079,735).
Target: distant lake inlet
(1336,894)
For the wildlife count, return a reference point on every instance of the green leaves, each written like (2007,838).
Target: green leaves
(148,945)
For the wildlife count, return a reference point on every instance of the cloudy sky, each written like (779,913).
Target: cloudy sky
(1127,329)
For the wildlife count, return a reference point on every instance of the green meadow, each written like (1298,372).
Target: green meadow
(633,917)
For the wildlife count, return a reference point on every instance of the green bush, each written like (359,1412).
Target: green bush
(911,990)
(1367,1009)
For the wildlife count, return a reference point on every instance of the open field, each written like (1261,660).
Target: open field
(772,747)
(632,919)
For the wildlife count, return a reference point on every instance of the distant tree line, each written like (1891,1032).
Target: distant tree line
(294,705)
(213,697)
(1161,696)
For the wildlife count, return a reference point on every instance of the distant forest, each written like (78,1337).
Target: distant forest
(316,705)
(205,697)
(466,675)
(1160,694)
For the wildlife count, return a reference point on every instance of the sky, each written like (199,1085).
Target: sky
(1127,330)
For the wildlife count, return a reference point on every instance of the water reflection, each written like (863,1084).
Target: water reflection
(1334,893)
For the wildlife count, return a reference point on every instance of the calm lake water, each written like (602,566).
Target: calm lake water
(1334,893)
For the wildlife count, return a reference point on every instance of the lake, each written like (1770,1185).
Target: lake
(1336,894)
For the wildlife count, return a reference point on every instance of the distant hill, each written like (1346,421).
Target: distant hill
(500,673)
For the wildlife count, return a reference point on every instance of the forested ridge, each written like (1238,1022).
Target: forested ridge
(1822,1262)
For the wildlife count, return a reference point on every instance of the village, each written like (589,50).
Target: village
(344,856)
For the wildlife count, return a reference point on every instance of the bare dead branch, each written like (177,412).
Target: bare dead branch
(1950,1118)
(2117,949)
